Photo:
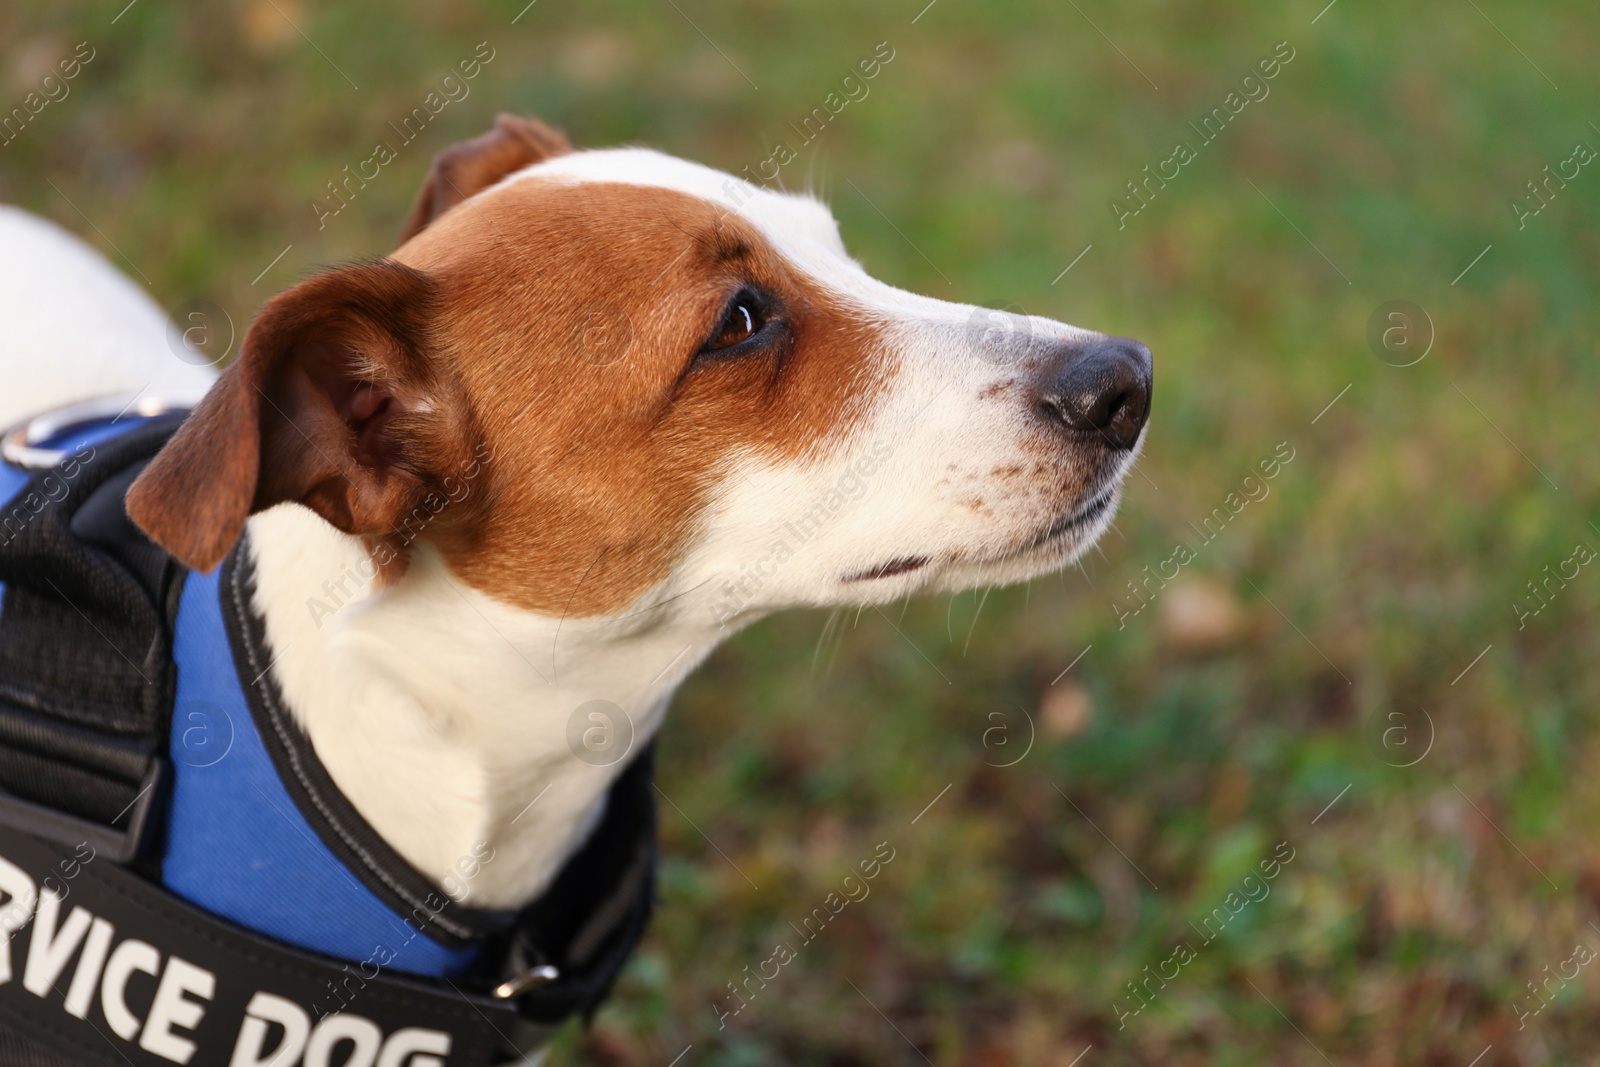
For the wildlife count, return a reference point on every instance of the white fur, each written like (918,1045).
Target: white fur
(443,713)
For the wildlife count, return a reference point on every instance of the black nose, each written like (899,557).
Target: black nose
(1103,389)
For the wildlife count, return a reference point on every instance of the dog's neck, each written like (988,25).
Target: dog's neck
(451,720)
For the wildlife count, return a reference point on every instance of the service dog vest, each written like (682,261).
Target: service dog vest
(180,880)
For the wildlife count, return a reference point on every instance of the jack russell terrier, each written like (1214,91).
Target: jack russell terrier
(508,485)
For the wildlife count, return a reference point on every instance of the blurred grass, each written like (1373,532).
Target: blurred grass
(1387,556)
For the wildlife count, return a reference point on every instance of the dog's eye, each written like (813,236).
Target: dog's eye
(743,321)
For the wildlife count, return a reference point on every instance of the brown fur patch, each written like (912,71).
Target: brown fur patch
(573,314)
(468,168)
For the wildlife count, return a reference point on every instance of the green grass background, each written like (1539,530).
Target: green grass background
(1388,555)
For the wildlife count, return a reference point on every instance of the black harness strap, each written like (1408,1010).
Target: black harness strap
(589,936)
(217,977)
(227,989)
(86,675)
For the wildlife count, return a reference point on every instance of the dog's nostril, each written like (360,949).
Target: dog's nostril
(1103,389)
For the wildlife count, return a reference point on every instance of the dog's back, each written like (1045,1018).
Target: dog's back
(72,328)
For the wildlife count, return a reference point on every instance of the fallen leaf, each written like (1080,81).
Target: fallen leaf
(1065,709)
(1200,615)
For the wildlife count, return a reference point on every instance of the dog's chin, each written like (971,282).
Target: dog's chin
(1054,545)
(1050,547)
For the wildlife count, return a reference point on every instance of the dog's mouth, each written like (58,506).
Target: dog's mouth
(902,565)
(1073,523)
(1085,514)
(1081,517)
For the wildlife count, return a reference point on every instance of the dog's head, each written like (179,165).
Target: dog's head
(595,379)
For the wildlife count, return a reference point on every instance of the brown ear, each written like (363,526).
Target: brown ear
(472,166)
(332,402)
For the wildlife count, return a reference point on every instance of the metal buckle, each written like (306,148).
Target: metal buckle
(530,979)
(120,846)
(20,445)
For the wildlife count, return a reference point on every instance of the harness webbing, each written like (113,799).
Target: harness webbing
(86,677)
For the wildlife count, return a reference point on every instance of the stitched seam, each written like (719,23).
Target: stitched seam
(276,713)
(179,919)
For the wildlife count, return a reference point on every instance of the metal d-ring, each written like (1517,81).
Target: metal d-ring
(521,983)
(21,445)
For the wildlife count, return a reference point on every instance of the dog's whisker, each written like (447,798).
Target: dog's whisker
(567,610)
(833,634)
(822,636)
(664,601)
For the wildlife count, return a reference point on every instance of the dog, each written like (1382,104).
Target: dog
(597,411)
